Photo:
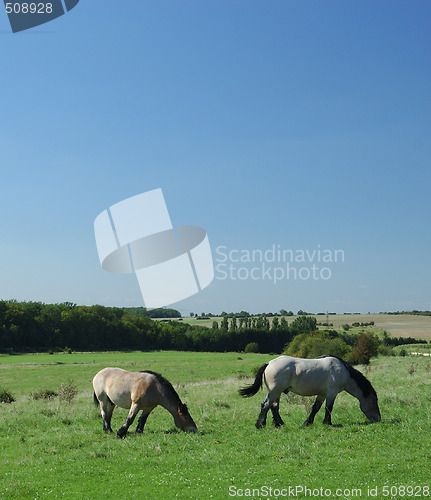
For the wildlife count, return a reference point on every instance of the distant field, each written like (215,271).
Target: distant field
(402,325)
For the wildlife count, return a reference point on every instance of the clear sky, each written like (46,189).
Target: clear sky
(295,125)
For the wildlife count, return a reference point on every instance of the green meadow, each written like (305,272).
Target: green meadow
(56,447)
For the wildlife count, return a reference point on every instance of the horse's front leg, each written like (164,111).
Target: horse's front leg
(122,431)
(142,420)
(314,410)
(328,410)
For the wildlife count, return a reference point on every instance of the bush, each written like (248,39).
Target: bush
(43,394)
(252,347)
(312,345)
(385,350)
(67,392)
(6,396)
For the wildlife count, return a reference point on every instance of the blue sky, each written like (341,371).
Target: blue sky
(288,123)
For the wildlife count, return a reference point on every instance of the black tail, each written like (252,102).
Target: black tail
(96,401)
(248,392)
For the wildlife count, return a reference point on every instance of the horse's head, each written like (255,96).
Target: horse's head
(183,420)
(370,407)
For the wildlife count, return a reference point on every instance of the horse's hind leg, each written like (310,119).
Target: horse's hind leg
(278,422)
(314,410)
(270,402)
(122,431)
(261,420)
(106,409)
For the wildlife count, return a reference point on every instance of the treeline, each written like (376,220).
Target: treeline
(243,314)
(414,313)
(34,326)
(159,312)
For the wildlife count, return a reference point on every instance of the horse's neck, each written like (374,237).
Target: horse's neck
(169,403)
(170,406)
(353,388)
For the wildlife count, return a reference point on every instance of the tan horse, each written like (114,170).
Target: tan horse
(325,377)
(142,390)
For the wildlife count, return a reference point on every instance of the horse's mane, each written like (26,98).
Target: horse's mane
(162,380)
(363,383)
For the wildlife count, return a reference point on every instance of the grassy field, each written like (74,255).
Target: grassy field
(55,449)
(398,325)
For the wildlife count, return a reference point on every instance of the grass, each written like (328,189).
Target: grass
(52,448)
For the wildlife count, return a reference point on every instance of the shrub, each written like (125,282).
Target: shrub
(43,394)
(252,347)
(386,350)
(6,396)
(67,392)
(312,345)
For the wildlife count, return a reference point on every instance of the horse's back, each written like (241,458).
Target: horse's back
(104,375)
(306,377)
(123,387)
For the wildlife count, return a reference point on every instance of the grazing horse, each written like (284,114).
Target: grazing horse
(142,390)
(325,377)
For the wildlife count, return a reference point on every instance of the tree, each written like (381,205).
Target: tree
(284,325)
(275,324)
(303,324)
(225,323)
(366,348)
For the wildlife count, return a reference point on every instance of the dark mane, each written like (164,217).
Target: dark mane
(162,380)
(363,383)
